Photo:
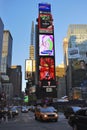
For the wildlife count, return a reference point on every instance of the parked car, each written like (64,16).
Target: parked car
(45,114)
(70,110)
(78,121)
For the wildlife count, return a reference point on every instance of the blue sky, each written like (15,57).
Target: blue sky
(17,16)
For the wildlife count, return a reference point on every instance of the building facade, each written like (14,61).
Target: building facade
(15,76)
(1,38)
(61,82)
(31,47)
(77,59)
(6,51)
(1,41)
(30,65)
(65,51)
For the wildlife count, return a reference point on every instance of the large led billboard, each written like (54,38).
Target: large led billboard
(46,68)
(45,23)
(46,45)
(29,68)
(78,64)
(44,7)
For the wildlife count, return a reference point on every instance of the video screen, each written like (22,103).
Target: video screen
(46,47)
(28,69)
(46,68)
(44,7)
(45,21)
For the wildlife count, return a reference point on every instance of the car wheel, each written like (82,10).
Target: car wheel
(35,117)
(56,120)
(41,119)
(75,127)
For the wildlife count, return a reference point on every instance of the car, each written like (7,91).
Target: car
(24,109)
(78,121)
(4,111)
(14,111)
(70,110)
(7,112)
(32,108)
(46,114)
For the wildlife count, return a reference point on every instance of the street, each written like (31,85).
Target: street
(26,121)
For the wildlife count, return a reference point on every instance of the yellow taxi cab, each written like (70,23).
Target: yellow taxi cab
(46,113)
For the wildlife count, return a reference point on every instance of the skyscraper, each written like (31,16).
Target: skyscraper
(1,38)
(15,75)
(31,50)
(65,50)
(30,62)
(1,42)
(6,51)
(77,37)
(77,59)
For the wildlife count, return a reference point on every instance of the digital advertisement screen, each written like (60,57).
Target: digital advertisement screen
(46,68)
(26,98)
(46,45)
(45,21)
(30,67)
(44,7)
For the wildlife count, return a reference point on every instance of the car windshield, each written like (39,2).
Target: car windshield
(76,108)
(24,108)
(44,110)
(13,108)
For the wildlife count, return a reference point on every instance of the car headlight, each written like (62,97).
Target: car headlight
(56,115)
(45,115)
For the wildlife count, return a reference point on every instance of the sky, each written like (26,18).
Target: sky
(17,17)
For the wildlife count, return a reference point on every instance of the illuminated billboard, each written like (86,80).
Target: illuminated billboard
(26,99)
(29,68)
(44,7)
(45,23)
(46,68)
(46,47)
(78,64)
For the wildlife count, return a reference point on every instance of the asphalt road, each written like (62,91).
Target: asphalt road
(26,121)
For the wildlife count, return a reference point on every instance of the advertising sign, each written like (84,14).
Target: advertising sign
(46,47)
(46,68)
(28,69)
(45,23)
(73,53)
(44,7)
(78,64)
(26,98)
